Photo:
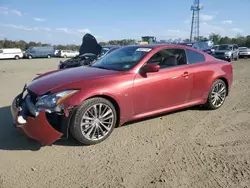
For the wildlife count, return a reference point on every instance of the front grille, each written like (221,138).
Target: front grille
(219,53)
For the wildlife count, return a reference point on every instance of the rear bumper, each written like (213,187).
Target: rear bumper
(37,128)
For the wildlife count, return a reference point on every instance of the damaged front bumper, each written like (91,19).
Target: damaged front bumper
(33,123)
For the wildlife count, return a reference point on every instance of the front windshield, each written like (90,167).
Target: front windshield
(225,47)
(122,59)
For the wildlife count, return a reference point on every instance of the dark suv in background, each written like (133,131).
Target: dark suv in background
(199,45)
(227,52)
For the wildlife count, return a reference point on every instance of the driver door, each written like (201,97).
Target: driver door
(169,87)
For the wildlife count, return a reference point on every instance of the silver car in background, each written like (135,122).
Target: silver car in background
(244,52)
(228,52)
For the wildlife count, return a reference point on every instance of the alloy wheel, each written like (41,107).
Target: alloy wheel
(218,94)
(97,121)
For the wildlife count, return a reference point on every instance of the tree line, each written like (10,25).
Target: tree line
(216,38)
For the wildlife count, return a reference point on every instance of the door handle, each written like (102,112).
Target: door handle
(185,74)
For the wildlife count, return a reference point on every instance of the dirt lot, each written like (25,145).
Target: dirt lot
(189,148)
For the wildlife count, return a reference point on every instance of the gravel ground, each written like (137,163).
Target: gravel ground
(189,148)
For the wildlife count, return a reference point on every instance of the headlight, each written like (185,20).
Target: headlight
(50,102)
(228,53)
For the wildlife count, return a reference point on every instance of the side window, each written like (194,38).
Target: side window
(169,58)
(1,51)
(194,57)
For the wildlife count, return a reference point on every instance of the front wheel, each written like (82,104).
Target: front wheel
(217,95)
(93,121)
(16,57)
(48,56)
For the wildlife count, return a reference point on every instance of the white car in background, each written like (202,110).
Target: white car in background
(11,53)
(67,53)
(244,52)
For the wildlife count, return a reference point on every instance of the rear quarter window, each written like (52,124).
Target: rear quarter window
(194,57)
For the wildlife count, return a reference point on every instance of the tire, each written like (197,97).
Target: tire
(82,111)
(65,56)
(237,58)
(230,59)
(29,56)
(211,100)
(48,56)
(16,57)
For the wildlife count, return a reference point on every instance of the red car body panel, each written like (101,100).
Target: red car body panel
(39,129)
(135,95)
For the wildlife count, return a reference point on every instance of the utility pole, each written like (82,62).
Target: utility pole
(195,24)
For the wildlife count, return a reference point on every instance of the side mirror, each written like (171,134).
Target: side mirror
(151,68)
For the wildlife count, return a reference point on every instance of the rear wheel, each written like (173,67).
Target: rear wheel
(93,121)
(65,56)
(29,56)
(48,56)
(217,95)
(16,57)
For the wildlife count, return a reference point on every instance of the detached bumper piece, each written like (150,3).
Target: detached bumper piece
(33,123)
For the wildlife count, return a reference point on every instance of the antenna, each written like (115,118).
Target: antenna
(195,25)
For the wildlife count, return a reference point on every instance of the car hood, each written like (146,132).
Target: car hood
(89,45)
(51,80)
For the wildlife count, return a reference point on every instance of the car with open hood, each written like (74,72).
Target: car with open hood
(130,83)
(86,59)
(89,52)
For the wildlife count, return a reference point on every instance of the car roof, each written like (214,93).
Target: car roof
(153,46)
(185,43)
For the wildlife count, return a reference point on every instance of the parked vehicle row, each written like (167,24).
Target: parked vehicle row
(36,52)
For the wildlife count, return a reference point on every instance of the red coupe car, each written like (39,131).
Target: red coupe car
(130,83)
